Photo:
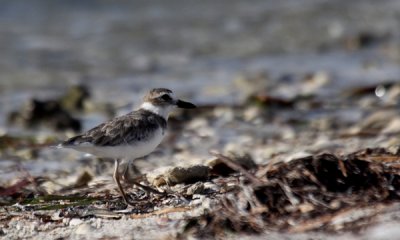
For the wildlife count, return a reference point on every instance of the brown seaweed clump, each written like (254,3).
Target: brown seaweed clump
(322,192)
(53,113)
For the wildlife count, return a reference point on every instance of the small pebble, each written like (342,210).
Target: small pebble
(196,188)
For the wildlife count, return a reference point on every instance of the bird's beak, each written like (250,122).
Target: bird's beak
(183,104)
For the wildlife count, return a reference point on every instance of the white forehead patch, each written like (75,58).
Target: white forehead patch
(162,111)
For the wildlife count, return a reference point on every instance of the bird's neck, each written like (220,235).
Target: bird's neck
(159,110)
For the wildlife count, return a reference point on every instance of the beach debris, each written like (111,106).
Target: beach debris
(49,113)
(175,175)
(334,193)
(75,98)
(53,113)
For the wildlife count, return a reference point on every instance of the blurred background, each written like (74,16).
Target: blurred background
(304,59)
(273,80)
(196,48)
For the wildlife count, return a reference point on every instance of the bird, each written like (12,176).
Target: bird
(130,136)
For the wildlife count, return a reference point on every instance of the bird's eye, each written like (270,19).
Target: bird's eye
(166,97)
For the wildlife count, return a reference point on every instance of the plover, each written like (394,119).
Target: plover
(130,136)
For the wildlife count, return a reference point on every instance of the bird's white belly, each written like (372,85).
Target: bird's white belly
(132,151)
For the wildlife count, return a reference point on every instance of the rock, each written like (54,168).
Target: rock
(175,175)
(187,174)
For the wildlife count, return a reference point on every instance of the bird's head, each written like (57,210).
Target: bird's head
(162,101)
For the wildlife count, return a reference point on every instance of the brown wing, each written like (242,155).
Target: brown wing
(135,126)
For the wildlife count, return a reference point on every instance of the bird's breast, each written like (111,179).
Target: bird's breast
(145,146)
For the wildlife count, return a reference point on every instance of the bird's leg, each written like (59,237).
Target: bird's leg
(116,179)
(145,188)
(125,171)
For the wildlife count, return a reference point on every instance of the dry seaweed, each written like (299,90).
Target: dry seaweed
(322,192)
(54,113)
(45,112)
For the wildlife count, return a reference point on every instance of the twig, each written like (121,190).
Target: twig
(342,167)
(148,189)
(160,212)
(289,194)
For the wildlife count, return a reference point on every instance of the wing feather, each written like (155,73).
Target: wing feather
(135,126)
